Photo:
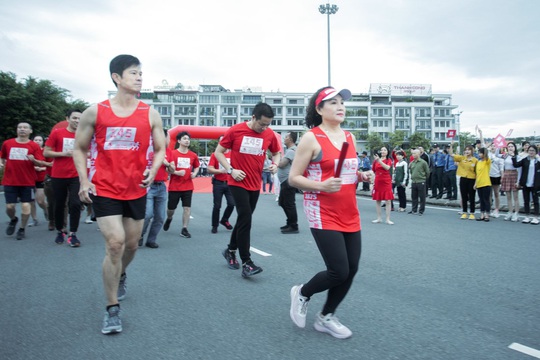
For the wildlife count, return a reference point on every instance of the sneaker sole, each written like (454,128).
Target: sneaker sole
(324,329)
(291,312)
(115,330)
(186,236)
(245,275)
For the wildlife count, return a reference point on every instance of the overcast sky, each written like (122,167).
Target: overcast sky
(485,53)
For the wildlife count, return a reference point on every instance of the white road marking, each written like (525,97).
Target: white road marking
(260,252)
(525,349)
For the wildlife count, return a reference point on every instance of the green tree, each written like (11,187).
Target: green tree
(464,139)
(419,139)
(396,138)
(38,102)
(374,142)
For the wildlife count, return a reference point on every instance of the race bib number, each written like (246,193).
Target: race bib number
(348,171)
(251,146)
(68,144)
(121,138)
(18,154)
(183,163)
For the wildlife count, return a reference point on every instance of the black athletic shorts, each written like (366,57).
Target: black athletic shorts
(175,196)
(104,206)
(15,193)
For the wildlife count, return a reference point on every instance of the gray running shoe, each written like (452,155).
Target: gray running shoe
(111,322)
(122,288)
(11,226)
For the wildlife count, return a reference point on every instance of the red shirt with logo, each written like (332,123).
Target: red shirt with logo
(41,173)
(333,211)
(119,152)
(248,151)
(18,170)
(162,174)
(62,140)
(213,162)
(187,162)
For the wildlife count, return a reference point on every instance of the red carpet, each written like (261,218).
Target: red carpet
(203,184)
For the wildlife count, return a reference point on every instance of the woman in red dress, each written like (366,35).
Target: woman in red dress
(382,188)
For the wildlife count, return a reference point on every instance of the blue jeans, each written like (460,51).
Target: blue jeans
(156,201)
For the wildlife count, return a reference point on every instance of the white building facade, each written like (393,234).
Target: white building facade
(384,109)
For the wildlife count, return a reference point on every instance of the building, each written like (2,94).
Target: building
(385,109)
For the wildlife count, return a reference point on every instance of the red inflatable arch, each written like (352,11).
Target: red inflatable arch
(203,132)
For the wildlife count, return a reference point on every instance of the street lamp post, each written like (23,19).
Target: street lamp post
(328,9)
(458,129)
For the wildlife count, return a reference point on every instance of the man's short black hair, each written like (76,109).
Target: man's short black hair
(293,136)
(180,135)
(121,63)
(262,109)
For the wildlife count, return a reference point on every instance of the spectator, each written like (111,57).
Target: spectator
(382,188)
(401,179)
(419,170)
(510,182)
(483,183)
(530,183)
(450,168)
(467,173)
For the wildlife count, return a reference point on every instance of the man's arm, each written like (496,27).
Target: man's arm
(83,136)
(159,148)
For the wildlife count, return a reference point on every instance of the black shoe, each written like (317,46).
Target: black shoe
(433,196)
(439,197)
(185,233)
(20,234)
(290,230)
(152,245)
(167,224)
(283,227)
(226,224)
(230,256)
(141,241)
(214,229)
(250,269)
(60,238)
(412,212)
(11,226)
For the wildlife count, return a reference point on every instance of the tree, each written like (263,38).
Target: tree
(419,139)
(396,139)
(374,142)
(464,139)
(38,102)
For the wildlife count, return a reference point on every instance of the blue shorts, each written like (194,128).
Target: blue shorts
(15,193)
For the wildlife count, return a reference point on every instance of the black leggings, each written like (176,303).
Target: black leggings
(341,254)
(66,189)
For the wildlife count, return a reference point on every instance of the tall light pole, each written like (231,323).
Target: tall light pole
(328,9)
(458,129)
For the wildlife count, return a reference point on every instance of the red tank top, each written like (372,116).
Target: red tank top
(120,152)
(333,211)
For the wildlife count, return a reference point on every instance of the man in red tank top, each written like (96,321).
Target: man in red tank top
(248,142)
(118,132)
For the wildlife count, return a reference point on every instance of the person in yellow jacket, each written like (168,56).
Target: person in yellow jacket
(467,178)
(483,183)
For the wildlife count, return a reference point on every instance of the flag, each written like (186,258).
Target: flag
(499,141)
(451,134)
(509,132)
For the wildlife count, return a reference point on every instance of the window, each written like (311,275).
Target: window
(278,111)
(206,121)
(185,98)
(184,121)
(276,121)
(374,123)
(228,110)
(381,123)
(230,99)
(292,101)
(276,101)
(184,110)
(252,99)
(229,122)
(386,123)
(247,110)
(166,122)
(163,110)
(295,122)
(209,99)
(207,110)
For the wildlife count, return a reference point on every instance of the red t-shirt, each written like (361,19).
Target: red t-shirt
(161,174)
(187,162)
(333,211)
(213,162)
(62,140)
(41,174)
(248,151)
(119,152)
(18,170)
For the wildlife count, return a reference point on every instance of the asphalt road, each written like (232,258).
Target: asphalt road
(430,287)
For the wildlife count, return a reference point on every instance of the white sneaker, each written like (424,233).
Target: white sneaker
(495,214)
(299,305)
(515,217)
(88,220)
(535,221)
(508,216)
(526,220)
(330,324)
